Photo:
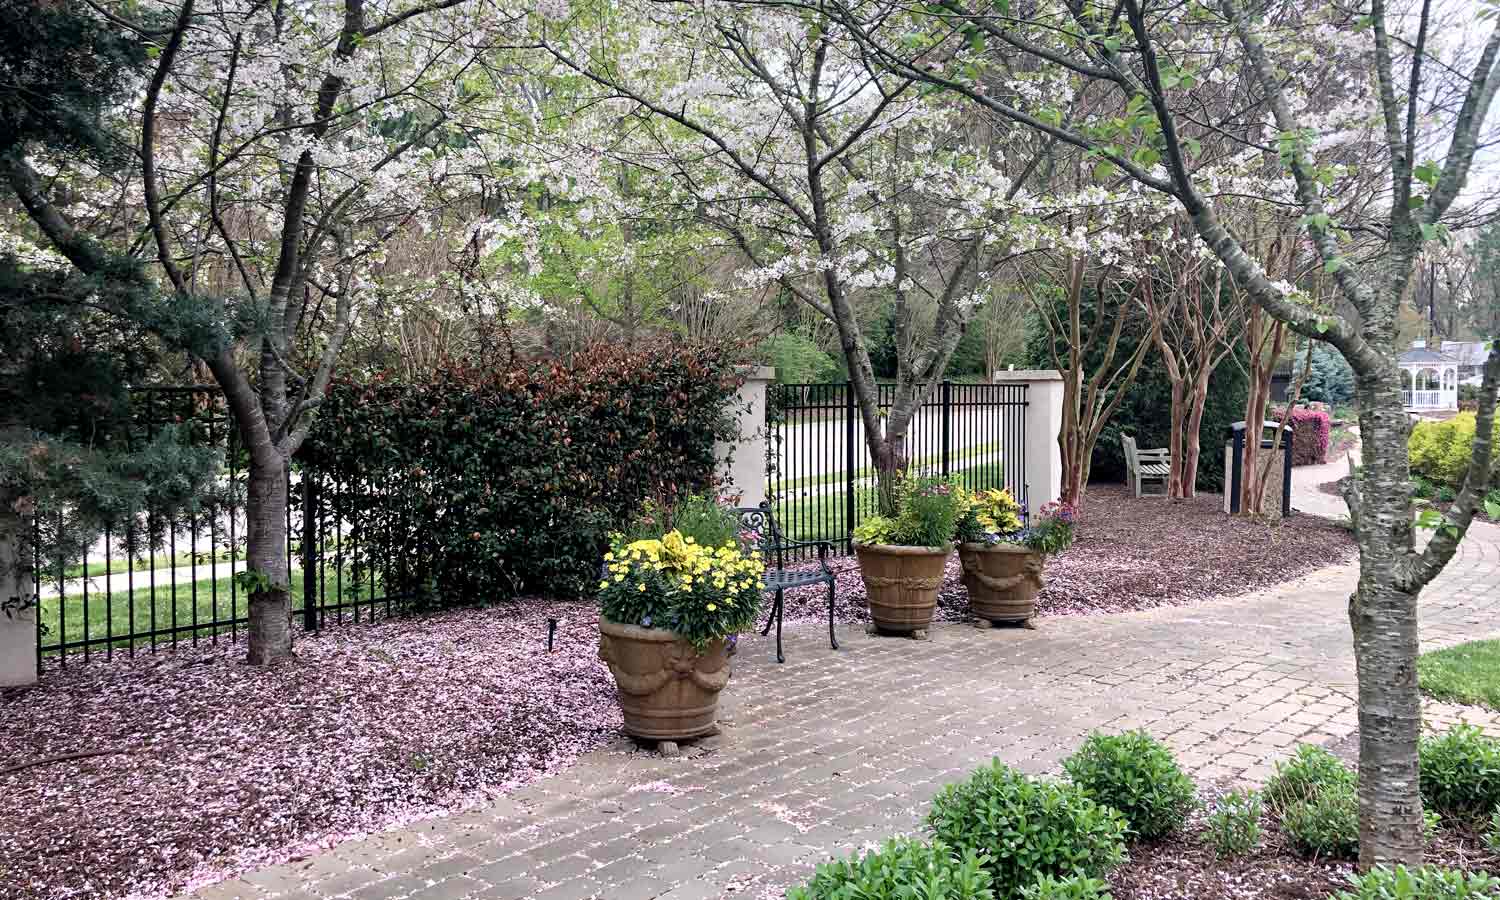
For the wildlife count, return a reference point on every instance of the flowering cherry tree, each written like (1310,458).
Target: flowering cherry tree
(840,183)
(277,149)
(1425,108)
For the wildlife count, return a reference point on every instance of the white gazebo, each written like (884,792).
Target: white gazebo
(1429,379)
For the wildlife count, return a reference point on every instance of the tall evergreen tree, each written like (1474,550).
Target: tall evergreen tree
(66,354)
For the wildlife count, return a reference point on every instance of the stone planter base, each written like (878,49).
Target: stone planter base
(901,584)
(668,691)
(1002,581)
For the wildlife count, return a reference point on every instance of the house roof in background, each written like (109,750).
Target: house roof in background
(1467,353)
(1423,355)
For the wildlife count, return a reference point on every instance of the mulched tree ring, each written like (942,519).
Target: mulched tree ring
(1185,867)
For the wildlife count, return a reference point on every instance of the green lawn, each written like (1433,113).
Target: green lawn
(824,518)
(146,563)
(837,477)
(114,613)
(1468,673)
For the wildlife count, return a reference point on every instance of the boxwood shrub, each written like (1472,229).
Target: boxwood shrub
(1074,887)
(903,868)
(1310,770)
(1423,883)
(1325,824)
(1135,774)
(475,484)
(1027,828)
(1460,773)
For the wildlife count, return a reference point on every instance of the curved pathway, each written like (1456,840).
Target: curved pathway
(836,750)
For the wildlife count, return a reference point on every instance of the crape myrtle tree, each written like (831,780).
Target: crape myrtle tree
(272,151)
(1430,98)
(1195,321)
(1084,320)
(838,181)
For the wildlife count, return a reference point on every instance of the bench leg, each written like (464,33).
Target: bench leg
(832,641)
(780,657)
(772,617)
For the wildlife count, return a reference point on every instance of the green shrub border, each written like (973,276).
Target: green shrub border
(474,485)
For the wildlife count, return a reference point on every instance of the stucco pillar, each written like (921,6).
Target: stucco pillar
(743,462)
(17,628)
(1044,396)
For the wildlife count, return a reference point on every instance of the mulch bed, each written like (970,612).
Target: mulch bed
(220,767)
(1186,868)
(1137,554)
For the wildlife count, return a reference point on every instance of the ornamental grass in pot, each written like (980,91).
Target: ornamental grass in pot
(669,606)
(1002,558)
(902,556)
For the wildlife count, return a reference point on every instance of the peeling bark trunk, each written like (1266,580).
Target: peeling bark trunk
(270,631)
(1383,617)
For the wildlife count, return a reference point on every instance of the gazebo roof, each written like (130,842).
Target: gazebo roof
(1418,355)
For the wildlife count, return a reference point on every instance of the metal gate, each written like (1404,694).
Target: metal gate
(820,479)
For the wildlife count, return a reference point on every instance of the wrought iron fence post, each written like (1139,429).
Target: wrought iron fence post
(947,424)
(309,551)
(849,474)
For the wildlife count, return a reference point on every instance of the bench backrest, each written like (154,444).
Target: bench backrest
(759,529)
(1131,461)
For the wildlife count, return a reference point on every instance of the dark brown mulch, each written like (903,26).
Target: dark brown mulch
(1186,868)
(1136,554)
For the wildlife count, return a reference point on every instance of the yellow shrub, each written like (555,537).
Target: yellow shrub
(1440,451)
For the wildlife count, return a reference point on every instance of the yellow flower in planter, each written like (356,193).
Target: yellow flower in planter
(711,607)
(604,584)
(641,587)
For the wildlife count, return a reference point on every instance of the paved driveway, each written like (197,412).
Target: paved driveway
(834,750)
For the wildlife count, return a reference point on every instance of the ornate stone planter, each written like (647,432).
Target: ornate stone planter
(1002,581)
(901,585)
(668,690)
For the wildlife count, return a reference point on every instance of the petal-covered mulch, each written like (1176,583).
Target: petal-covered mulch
(1136,554)
(218,766)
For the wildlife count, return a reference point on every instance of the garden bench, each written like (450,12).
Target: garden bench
(759,523)
(1146,465)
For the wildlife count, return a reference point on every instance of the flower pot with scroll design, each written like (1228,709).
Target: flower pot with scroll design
(901,584)
(668,690)
(1002,580)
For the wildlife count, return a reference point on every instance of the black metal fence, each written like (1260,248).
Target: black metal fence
(821,482)
(129,594)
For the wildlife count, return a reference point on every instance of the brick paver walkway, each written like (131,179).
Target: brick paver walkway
(834,750)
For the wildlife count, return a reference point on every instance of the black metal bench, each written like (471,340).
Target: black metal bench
(773,548)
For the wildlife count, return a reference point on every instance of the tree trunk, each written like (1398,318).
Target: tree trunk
(1192,438)
(1383,617)
(1175,477)
(270,631)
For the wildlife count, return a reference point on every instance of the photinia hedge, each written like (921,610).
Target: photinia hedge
(1310,429)
(478,484)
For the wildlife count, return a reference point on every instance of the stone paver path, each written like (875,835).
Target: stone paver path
(836,750)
